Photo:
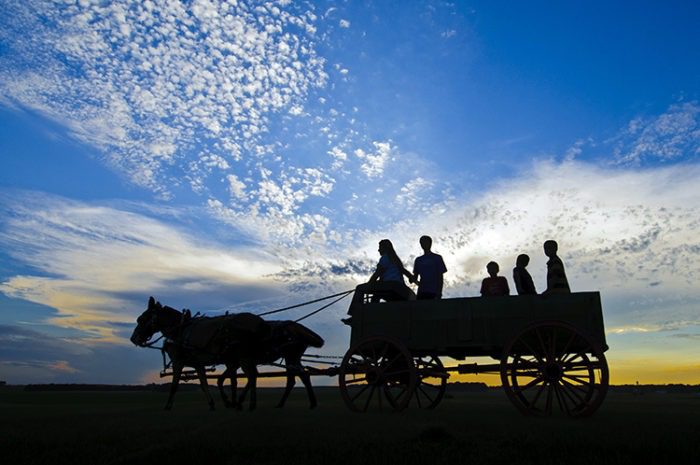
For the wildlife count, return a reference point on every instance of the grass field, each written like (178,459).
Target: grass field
(471,428)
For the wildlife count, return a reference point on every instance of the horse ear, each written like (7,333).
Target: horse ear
(151,302)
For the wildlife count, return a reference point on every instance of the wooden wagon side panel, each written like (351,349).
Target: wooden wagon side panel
(474,325)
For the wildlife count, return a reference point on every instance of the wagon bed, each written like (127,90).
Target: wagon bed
(474,326)
(550,350)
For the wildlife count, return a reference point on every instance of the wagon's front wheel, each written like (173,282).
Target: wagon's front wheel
(432,381)
(553,364)
(377,373)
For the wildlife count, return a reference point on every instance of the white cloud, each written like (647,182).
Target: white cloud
(373,164)
(339,157)
(344,23)
(91,255)
(236,187)
(410,194)
(674,134)
(137,82)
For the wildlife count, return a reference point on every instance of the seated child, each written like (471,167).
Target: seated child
(494,284)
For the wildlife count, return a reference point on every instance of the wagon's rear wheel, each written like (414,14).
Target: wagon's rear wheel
(551,365)
(432,381)
(377,373)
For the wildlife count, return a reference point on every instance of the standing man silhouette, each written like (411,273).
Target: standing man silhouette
(429,267)
(556,277)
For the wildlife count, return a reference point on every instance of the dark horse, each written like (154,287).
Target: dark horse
(236,340)
(287,340)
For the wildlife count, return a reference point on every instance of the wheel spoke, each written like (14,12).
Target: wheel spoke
(573,390)
(358,394)
(355,380)
(427,396)
(568,343)
(539,393)
(383,354)
(577,378)
(527,364)
(397,372)
(531,374)
(548,405)
(539,338)
(562,399)
(369,398)
(532,383)
(394,360)
(534,353)
(553,344)
(390,396)
(578,402)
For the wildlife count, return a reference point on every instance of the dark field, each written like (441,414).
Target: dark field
(472,428)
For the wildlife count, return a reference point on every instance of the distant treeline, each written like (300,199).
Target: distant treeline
(656,388)
(472,387)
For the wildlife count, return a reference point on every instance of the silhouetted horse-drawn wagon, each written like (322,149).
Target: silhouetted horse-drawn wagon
(548,350)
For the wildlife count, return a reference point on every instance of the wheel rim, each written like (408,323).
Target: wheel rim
(431,383)
(377,374)
(553,365)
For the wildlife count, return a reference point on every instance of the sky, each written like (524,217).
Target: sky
(243,156)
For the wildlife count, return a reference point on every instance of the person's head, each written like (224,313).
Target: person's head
(550,248)
(522,260)
(492,268)
(426,242)
(386,247)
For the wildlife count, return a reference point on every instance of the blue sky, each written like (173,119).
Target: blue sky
(245,155)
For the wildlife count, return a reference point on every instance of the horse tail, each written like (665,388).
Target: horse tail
(305,335)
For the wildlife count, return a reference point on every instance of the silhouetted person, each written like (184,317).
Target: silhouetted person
(390,267)
(556,277)
(387,280)
(494,284)
(429,267)
(521,277)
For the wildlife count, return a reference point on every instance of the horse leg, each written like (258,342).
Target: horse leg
(252,373)
(291,381)
(220,382)
(306,379)
(246,370)
(177,371)
(202,374)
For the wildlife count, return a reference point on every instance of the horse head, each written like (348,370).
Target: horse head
(151,321)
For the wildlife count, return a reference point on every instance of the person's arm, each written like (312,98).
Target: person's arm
(408,274)
(377,273)
(440,277)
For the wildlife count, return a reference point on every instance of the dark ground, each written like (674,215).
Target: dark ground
(468,427)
